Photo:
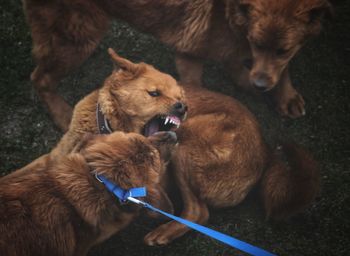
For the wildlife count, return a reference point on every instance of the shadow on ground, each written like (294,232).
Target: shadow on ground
(321,72)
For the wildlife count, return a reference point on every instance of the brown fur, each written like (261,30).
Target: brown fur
(125,101)
(61,209)
(221,154)
(254,38)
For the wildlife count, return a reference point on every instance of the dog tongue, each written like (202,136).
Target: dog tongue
(153,127)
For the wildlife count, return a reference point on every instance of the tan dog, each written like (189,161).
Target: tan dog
(255,39)
(62,209)
(221,156)
(134,98)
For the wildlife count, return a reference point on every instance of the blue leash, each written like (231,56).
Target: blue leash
(130,195)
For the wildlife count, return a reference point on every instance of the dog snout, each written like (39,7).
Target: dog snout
(180,108)
(261,82)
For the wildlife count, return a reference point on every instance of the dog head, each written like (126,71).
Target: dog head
(152,101)
(132,160)
(275,30)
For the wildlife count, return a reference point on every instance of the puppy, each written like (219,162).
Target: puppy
(62,209)
(255,39)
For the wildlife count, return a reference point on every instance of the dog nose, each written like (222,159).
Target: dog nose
(261,82)
(180,108)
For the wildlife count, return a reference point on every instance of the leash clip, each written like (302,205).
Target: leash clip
(136,201)
(97,178)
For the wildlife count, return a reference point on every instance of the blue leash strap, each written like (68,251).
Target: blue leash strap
(233,242)
(141,192)
(122,194)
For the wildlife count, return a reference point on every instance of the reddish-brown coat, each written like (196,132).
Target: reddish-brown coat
(221,153)
(234,32)
(61,209)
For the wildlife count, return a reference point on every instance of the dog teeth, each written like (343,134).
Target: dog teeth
(172,120)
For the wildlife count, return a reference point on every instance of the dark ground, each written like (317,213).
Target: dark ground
(321,72)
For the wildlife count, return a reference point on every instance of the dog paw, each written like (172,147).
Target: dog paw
(165,233)
(157,237)
(293,106)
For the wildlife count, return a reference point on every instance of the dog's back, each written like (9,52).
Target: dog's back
(51,211)
(36,218)
(60,209)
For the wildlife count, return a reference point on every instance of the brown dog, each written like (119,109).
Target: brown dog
(221,155)
(134,98)
(62,209)
(255,39)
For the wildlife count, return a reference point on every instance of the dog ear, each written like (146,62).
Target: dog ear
(122,63)
(313,12)
(237,12)
(243,13)
(325,9)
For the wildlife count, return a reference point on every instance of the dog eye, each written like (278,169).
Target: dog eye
(281,51)
(154,93)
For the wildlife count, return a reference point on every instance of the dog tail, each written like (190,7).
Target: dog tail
(288,188)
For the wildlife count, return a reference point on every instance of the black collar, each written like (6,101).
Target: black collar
(102,122)
(105,128)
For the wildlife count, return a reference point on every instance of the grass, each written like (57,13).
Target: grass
(321,72)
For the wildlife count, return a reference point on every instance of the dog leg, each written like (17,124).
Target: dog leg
(63,36)
(194,210)
(58,108)
(190,69)
(287,100)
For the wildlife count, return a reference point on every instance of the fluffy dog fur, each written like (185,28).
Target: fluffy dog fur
(221,154)
(125,101)
(61,209)
(255,39)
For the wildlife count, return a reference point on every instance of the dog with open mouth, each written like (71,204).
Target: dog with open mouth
(63,209)
(134,98)
(221,154)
